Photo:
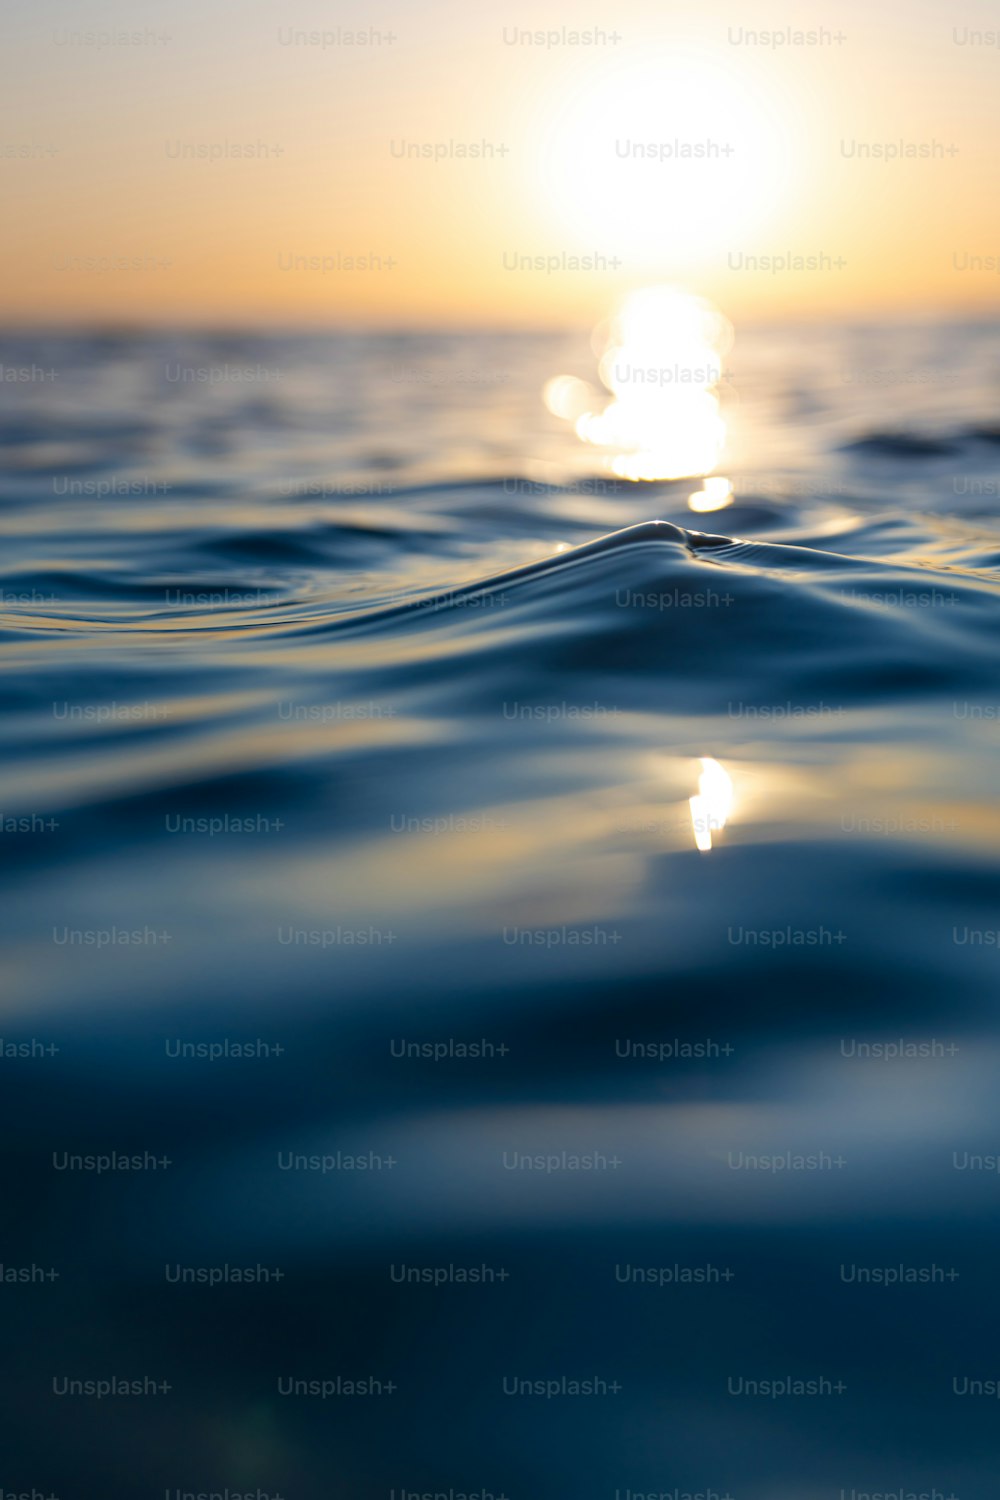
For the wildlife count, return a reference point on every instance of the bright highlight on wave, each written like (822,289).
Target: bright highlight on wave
(711,807)
(715,494)
(661,359)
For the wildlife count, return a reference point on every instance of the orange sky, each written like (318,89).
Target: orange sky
(669,146)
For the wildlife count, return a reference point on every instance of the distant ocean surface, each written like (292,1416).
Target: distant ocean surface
(556,929)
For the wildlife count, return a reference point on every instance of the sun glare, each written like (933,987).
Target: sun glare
(662,160)
(711,807)
(715,494)
(661,358)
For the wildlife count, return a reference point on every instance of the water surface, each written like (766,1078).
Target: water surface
(353,717)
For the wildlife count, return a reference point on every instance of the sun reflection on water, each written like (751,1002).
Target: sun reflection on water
(715,494)
(711,807)
(661,358)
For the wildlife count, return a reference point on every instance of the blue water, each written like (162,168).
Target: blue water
(351,709)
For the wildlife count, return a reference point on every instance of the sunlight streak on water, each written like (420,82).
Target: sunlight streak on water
(715,494)
(711,807)
(662,362)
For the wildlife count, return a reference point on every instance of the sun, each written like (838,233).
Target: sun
(664,161)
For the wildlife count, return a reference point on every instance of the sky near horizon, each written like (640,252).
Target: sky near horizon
(850,173)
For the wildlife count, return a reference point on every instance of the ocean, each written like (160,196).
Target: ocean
(501,956)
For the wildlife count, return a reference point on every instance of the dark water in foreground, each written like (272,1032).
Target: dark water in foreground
(352,724)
